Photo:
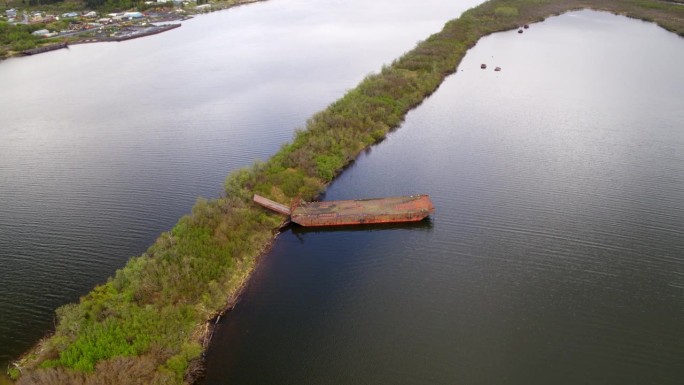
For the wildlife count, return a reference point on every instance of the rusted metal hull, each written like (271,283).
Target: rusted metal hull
(411,208)
(365,211)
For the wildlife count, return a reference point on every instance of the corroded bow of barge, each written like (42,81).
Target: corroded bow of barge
(411,208)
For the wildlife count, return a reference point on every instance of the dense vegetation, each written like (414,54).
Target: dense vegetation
(18,38)
(55,6)
(103,6)
(148,323)
(60,6)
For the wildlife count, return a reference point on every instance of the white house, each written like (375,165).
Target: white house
(133,15)
(41,32)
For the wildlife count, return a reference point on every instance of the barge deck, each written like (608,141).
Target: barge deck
(410,208)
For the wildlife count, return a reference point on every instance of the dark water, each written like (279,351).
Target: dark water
(104,146)
(556,255)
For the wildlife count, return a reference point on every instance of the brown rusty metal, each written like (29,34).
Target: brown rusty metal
(364,211)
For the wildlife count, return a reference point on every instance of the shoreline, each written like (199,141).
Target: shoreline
(135,35)
(332,140)
(152,28)
(151,31)
(210,325)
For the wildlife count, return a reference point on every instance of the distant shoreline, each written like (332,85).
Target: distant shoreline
(93,35)
(134,35)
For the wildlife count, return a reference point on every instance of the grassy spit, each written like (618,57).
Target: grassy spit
(149,323)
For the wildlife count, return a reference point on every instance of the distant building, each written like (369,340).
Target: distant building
(41,33)
(11,13)
(70,15)
(36,17)
(132,15)
(90,14)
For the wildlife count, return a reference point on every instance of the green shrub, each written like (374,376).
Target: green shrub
(328,165)
(179,363)
(506,11)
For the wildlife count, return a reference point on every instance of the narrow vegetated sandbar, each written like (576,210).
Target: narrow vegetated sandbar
(148,324)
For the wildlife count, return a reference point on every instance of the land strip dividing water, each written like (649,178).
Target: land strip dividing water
(151,322)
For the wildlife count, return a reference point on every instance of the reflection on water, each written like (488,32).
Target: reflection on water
(556,252)
(425,224)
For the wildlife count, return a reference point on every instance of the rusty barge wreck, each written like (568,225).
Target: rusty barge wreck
(411,208)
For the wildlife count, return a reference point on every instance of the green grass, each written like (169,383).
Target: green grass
(506,11)
(149,320)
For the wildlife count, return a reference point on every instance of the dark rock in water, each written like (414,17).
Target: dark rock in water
(520,31)
(483,66)
(526,26)
(497,69)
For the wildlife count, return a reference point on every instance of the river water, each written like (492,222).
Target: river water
(104,146)
(555,256)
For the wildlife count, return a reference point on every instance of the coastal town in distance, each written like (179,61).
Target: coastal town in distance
(35,26)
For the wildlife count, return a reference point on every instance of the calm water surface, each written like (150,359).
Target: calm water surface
(104,146)
(556,255)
